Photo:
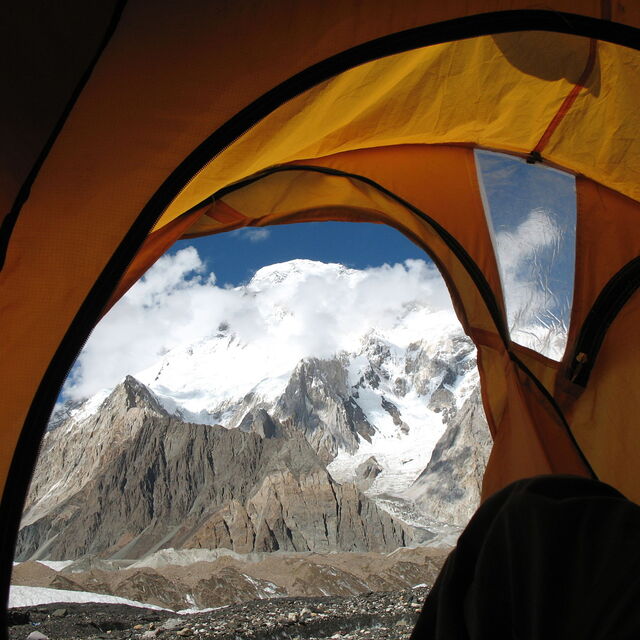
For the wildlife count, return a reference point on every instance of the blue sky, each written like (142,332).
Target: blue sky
(234,257)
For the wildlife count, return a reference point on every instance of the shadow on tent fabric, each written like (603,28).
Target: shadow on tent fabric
(546,557)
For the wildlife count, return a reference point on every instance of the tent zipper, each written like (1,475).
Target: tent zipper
(608,304)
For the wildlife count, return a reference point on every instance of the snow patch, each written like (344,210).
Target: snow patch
(20,596)
(56,565)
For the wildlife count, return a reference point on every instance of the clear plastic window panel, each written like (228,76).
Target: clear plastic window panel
(531,212)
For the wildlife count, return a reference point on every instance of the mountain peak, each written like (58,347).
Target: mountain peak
(133,394)
(294,271)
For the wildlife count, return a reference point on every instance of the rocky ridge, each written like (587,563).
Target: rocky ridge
(175,484)
(141,477)
(450,486)
(209,448)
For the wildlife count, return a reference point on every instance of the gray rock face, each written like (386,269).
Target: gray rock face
(318,401)
(174,484)
(449,487)
(367,472)
(443,401)
(393,411)
(133,478)
(260,422)
(70,462)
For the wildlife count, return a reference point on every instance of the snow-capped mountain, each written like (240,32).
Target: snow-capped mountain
(370,403)
(379,395)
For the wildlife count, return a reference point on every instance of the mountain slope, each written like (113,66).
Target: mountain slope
(272,443)
(449,488)
(175,484)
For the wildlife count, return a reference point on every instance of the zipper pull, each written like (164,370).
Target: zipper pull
(580,360)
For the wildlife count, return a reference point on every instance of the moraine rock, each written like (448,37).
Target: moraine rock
(233,578)
(372,616)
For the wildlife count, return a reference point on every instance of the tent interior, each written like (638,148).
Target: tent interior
(134,124)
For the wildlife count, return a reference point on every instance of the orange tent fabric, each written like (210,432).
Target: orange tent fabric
(131,124)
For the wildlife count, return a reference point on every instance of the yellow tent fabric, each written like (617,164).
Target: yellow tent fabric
(131,124)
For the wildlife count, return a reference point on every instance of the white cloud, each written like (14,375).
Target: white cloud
(518,247)
(316,311)
(527,256)
(254,234)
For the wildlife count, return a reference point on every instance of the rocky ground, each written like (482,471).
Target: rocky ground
(370,616)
